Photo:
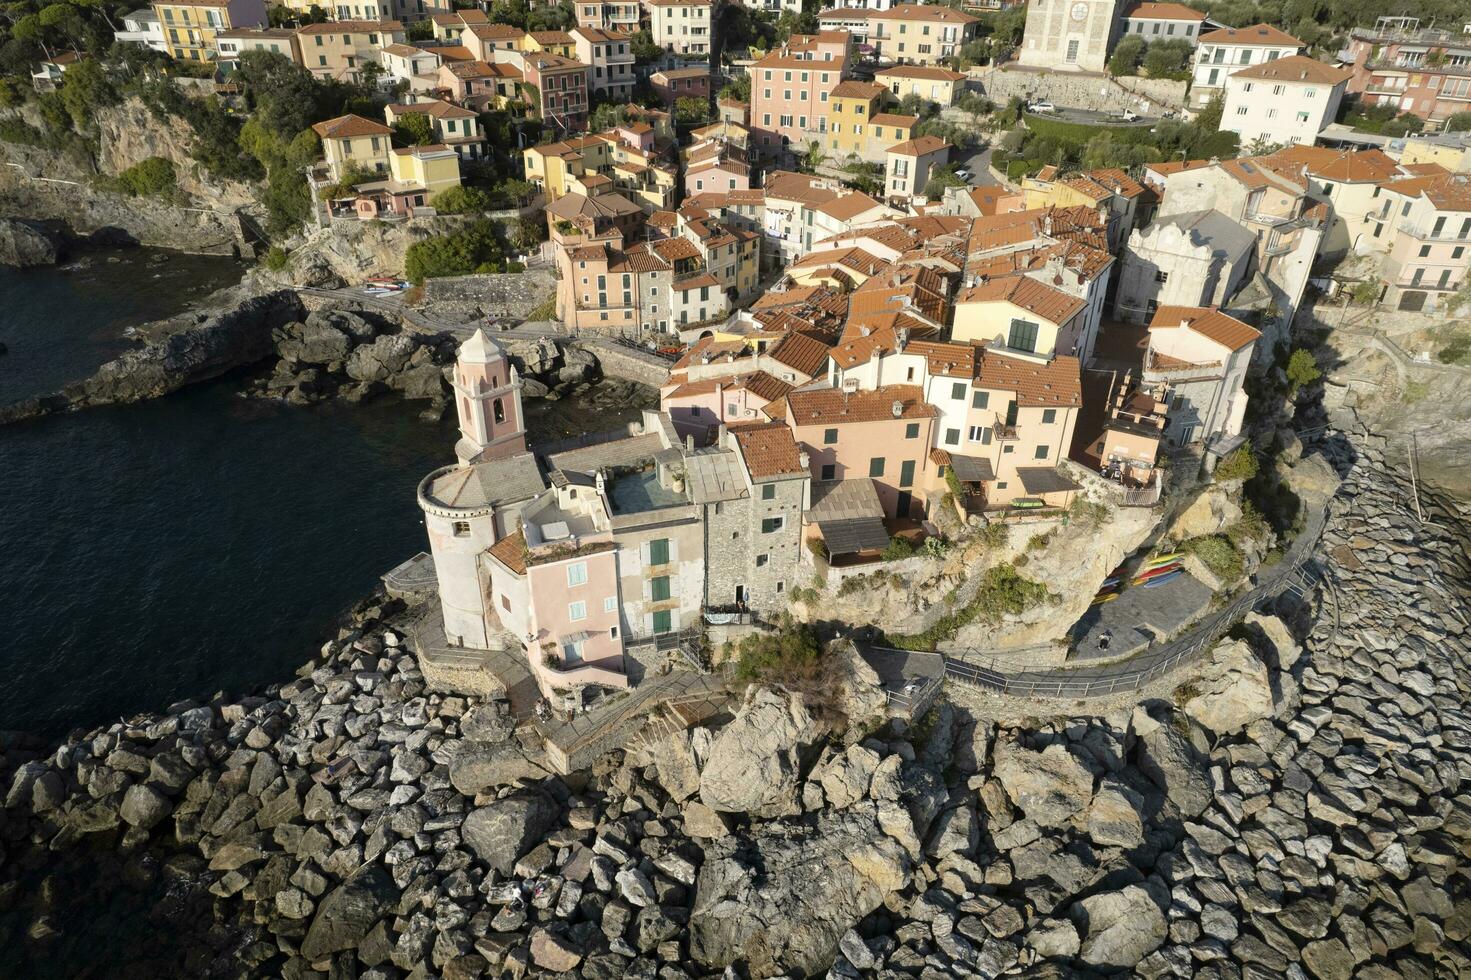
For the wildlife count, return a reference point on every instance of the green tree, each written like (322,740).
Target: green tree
(1167,59)
(85,88)
(691,110)
(462,200)
(1127,55)
(1239,465)
(476,248)
(1459,122)
(531,231)
(153,177)
(1302,369)
(814,157)
(645,51)
(738,89)
(934,188)
(422,30)
(414,129)
(516,191)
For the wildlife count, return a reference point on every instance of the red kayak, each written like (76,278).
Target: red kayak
(1156,572)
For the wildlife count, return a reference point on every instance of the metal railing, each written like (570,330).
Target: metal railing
(1298,573)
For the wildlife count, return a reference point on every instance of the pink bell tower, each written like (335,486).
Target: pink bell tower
(488,402)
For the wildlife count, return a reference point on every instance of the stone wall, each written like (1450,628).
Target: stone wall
(1095,92)
(619,361)
(738,552)
(513,295)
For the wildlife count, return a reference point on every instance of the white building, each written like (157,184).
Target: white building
(1203,355)
(1195,258)
(1164,22)
(1231,49)
(911,164)
(142,27)
(1287,100)
(681,26)
(609,57)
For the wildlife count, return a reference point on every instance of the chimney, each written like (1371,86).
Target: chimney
(898,409)
(689,442)
(722,438)
(804,459)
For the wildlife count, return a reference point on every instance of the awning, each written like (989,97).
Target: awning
(854,535)
(1043,479)
(844,500)
(971,469)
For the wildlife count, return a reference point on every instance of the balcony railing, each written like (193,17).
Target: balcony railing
(1450,233)
(1005,433)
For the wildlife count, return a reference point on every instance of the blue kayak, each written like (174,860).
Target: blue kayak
(1162,579)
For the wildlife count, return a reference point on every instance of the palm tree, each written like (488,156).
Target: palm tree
(814,157)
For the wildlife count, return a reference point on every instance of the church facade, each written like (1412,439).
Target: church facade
(1068,35)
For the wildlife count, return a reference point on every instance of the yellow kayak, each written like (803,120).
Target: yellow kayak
(1101,599)
(1159,560)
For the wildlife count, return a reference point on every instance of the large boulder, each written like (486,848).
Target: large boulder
(1052,786)
(479,766)
(143,807)
(677,764)
(782,899)
(845,777)
(313,342)
(1173,763)
(1115,818)
(500,832)
(1121,928)
(1231,690)
(348,913)
(1214,510)
(382,359)
(24,244)
(755,763)
(860,692)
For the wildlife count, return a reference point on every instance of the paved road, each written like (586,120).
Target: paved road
(1089,117)
(977,163)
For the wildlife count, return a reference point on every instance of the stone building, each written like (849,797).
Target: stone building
(1068,35)
(1196,258)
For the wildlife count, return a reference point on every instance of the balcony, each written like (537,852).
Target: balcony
(1452,232)
(1005,433)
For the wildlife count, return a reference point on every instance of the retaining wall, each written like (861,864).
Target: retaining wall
(1096,92)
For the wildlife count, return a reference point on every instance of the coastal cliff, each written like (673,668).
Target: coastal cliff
(1291,807)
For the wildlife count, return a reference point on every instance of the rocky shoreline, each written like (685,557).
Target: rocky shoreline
(333,352)
(1295,808)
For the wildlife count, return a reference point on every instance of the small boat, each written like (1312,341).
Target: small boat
(1027,503)
(1152,573)
(1110,581)
(1099,600)
(378,291)
(1159,560)
(1152,583)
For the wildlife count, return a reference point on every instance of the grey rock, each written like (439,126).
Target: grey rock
(347,913)
(1115,816)
(143,807)
(478,767)
(500,832)
(1173,764)
(1051,787)
(755,762)
(1121,928)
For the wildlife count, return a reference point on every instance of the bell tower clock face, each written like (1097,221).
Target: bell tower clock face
(1080,11)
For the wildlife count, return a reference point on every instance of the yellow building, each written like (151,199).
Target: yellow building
(559,43)
(936,85)
(1018,315)
(852,105)
(600,164)
(352,142)
(190,27)
(1451,151)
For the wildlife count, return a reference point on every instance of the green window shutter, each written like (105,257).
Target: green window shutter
(659,551)
(906,473)
(876,466)
(663,621)
(911,431)
(661,588)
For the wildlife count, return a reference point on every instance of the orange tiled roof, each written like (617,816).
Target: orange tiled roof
(801,353)
(1163,11)
(1262,34)
(831,406)
(344,127)
(923,11)
(1208,321)
(926,73)
(768,449)
(764,385)
(1445,190)
(1295,68)
(511,552)
(1051,384)
(1045,301)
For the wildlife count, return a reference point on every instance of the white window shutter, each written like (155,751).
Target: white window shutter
(675,586)
(648,585)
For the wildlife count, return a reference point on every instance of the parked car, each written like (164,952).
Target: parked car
(1129,115)
(1043,107)
(963,174)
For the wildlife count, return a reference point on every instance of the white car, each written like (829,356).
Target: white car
(1043,107)
(1129,115)
(964,175)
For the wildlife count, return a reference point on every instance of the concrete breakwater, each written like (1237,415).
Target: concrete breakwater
(1295,808)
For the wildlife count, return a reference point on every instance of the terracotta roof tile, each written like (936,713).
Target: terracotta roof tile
(1295,68)
(1051,384)
(1260,34)
(344,127)
(801,353)
(1208,321)
(1045,301)
(832,406)
(1163,11)
(923,11)
(926,73)
(511,552)
(769,450)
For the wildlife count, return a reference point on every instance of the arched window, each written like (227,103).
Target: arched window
(499,410)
